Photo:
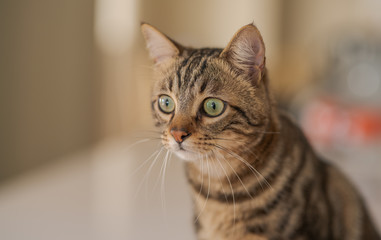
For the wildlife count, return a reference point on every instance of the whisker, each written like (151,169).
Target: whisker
(227,139)
(163,181)
(237,140)
(244,186)
(151,138)
(157,152)
(245,162)
(231,188)
(265,132)
(137,143)
(141,165)
(159,175)
(207,196)
(222,187)
(149,131)
(202,174)
(149,171)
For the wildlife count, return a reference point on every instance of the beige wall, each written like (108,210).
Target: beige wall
(48,93)
(308,30)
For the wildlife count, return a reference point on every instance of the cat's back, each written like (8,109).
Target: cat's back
(347,213)
(350,219)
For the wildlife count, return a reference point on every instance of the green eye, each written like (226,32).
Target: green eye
(213,107)
(166,104)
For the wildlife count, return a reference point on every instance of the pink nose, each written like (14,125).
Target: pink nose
(179,135)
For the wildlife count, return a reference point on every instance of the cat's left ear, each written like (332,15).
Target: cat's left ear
(160,47)
(246,51)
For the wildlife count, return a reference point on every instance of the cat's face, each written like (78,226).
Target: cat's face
(205,103)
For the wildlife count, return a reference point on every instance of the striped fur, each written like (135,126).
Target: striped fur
(252,172)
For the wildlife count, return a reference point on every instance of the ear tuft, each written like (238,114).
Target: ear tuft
(160,47)
(246,51)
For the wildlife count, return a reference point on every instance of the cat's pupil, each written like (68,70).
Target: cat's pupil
(214,105)
(166,102)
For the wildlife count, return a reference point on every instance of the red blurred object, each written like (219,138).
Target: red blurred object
(327,121)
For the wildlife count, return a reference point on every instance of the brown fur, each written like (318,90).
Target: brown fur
(252,173)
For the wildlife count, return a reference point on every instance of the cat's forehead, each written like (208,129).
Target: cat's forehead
(192,65)
(198,74)
(191,71)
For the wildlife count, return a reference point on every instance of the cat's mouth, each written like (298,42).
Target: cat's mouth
(181,148)
(187,150)
(184,152)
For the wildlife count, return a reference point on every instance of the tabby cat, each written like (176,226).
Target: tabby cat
(252,173)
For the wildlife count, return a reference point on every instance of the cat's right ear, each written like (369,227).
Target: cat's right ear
(160,47)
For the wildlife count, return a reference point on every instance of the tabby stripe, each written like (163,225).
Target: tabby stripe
(170,84)
(307,187)
(182,65)
(203,86)
(192,60)
(172,116)
(285,218)
(240,111)
(197,224)
(235,130)
(256,229)
(255,190)
(325,181)
(191,68)
(264,145)
(285,191)
(200,72)
(265,148)
(208,53)
(269,176)
(302,224)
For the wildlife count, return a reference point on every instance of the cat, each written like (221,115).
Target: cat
(251,171)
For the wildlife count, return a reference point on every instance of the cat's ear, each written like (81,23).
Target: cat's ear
(246,51)
(160,47)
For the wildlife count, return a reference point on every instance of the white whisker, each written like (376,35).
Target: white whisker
(157,152)
(163,181)
(255,171)
(202,174)
(148,173)
(223,189)
(244,186)
(141,165)
(138,142)
(207,196)
(231,188)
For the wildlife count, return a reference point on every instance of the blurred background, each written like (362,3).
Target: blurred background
(75,83)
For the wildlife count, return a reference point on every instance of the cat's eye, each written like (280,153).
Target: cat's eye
(166,104)
(214,107)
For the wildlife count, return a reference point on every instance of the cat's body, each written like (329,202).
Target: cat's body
(308,198)
(252,173)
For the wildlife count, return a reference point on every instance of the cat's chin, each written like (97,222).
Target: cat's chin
(186,155)
(189,156)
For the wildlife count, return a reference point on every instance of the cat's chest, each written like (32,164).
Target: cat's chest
(217,221)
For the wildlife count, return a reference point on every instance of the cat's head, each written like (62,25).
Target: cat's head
(209,101)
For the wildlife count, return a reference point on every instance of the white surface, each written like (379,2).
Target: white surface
(92,196)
